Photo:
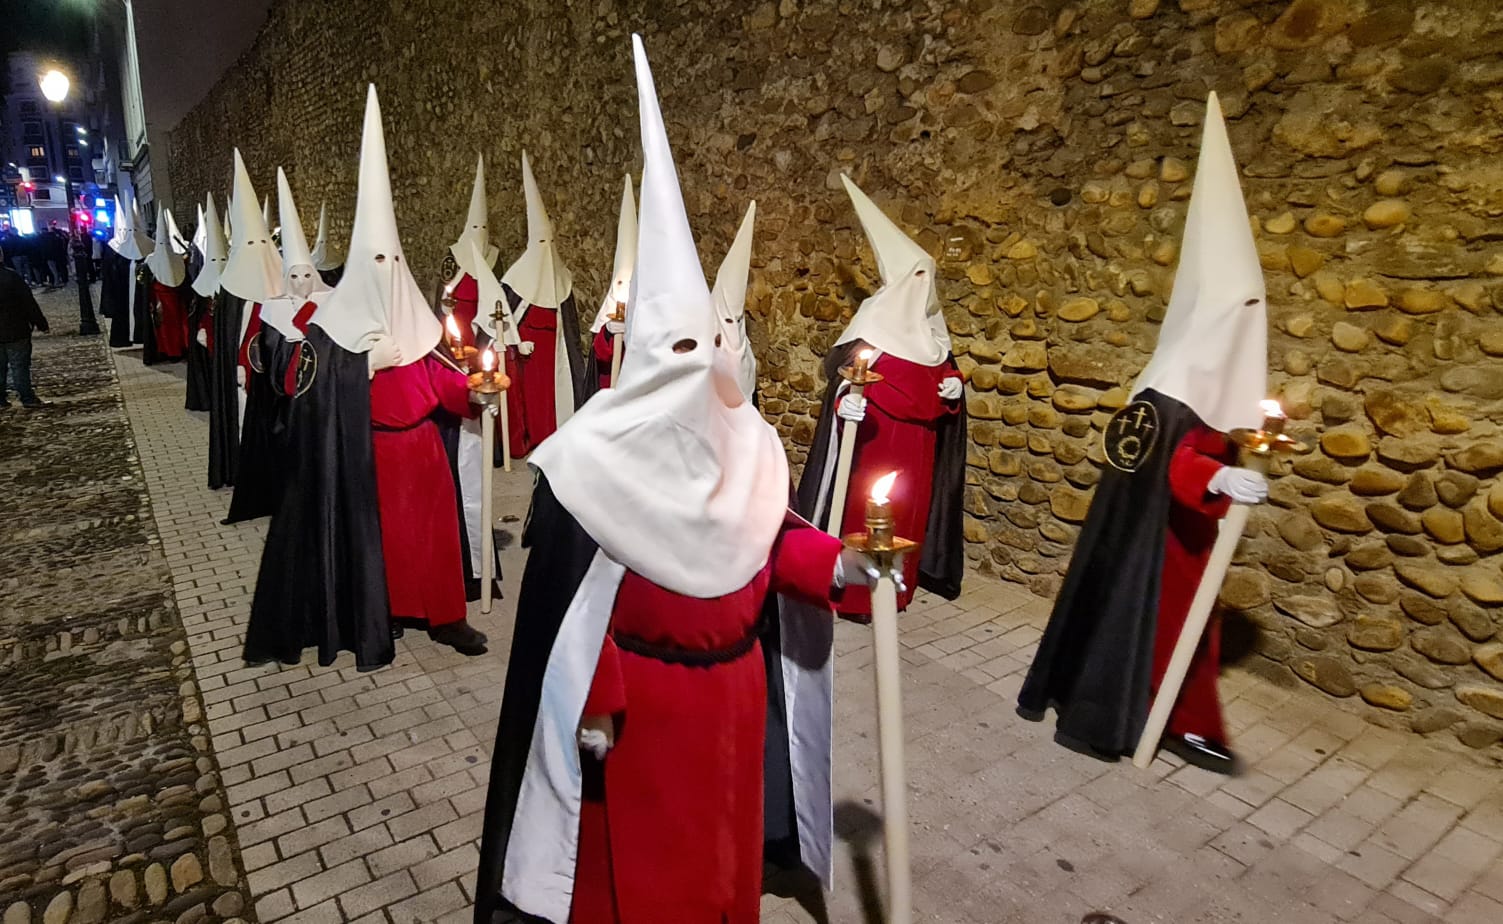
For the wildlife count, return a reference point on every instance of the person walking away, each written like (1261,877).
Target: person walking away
(19,315)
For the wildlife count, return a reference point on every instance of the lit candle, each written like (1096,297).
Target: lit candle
(1273,417)
(488,364)
(455,340)
(879,512)
(863,362)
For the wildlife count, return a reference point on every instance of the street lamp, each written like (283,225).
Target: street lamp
(55,85)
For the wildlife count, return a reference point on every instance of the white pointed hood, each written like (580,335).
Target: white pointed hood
(489,295)
(200,232)
(673,441)
(626,259)
(377,294)
(122,224)
(254,270)
(216,252)
(903,317)
(538,276)
(297,267)
(1212,353)
(324,256)
(131,242)
(165,263)
(729,299)
(174,236)
(476,229)
(266,210)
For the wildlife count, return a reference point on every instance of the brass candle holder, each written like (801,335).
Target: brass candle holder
(879,541)
(489,382)
(1269,439)
(858,372)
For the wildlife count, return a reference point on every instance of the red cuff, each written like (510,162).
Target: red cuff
(607,691)
(803,563)
(1190,474)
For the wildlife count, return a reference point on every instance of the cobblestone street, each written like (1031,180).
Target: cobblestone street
(358,797)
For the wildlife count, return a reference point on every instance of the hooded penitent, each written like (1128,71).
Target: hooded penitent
(902,318)
(215,249)
(254,269)
(301,283)
(1095,661)
(123,303)
(377,294)
(729,296)
(539,276)
(325,257)
(676,443)
(626,259)
(476,229)
(165,262)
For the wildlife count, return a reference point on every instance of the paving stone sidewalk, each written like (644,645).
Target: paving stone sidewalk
(111,807)
(357,797)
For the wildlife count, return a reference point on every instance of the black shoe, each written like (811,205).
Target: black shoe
(1202,752)
(35,404)
(461,636)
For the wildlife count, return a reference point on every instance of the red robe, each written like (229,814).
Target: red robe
(675,837)
(466,297)
(898,434)
(1194,514)
(530,402)
(171,320)
(420,533)
(242,358)
(604,350)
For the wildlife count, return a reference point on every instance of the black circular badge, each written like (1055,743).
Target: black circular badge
(307,367)
(1131,435)
(253,354)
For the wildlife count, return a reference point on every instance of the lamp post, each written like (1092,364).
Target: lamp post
(55,86)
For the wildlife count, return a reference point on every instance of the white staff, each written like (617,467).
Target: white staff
(618,317)
(487,388)
(859,374)
(503,324)
(1258,447)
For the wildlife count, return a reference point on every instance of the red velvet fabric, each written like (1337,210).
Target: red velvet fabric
(303,316)
(604,353)
(530,402)
(466,296)
(1193,517)
(172,328)
(415,490)
(252,328)
(675,837)
(898,434)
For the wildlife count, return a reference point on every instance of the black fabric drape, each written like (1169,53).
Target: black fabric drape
(113,292)
(224,402)
(1094,663)
(331,277)
(199,375)
(942,558)
(322,582)
(261,469)
(561,552)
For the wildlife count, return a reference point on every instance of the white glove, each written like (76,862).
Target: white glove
(526,347)
(616,328)
(1242,485)
(384,353)
(240,376)
(203,339)
(851,408)
(951,388)
(493,409)
(595,741)
(853,566)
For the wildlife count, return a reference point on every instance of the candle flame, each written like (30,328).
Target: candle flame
(452,327)
(866,355)
(883,487)
(1271,408)
(488,359)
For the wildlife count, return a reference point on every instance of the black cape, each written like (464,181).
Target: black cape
(942,559)
(262,466)
(561,552)
(114,293)
(1094,664)
(322,582)
(331,277)
(147,314)
(198,375)
(224,403)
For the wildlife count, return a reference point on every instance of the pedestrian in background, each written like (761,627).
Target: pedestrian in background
(19,315)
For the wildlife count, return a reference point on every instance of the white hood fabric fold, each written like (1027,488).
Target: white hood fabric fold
(216,252)
(377,295)
(538,276)
(729,298)
(165,263)
(476,229)
(324,256)
(626,259)
(200,232)
(130,242)
(490,295)
(254,270)
(1212,352)
(903,317)
(174,236)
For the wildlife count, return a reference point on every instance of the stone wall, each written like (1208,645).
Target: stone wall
(1043,152)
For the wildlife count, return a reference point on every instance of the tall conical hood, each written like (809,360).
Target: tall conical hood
(297,259)
(166,266)
(216,252)
(538,276)
(122,225)
(1212,353)
(626,258)
(902,317)
(674,440)
(377,294)
(200,232)
(729,299)
(476,229)
(254,270)
(325,257)
(174,236)
(131,241)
